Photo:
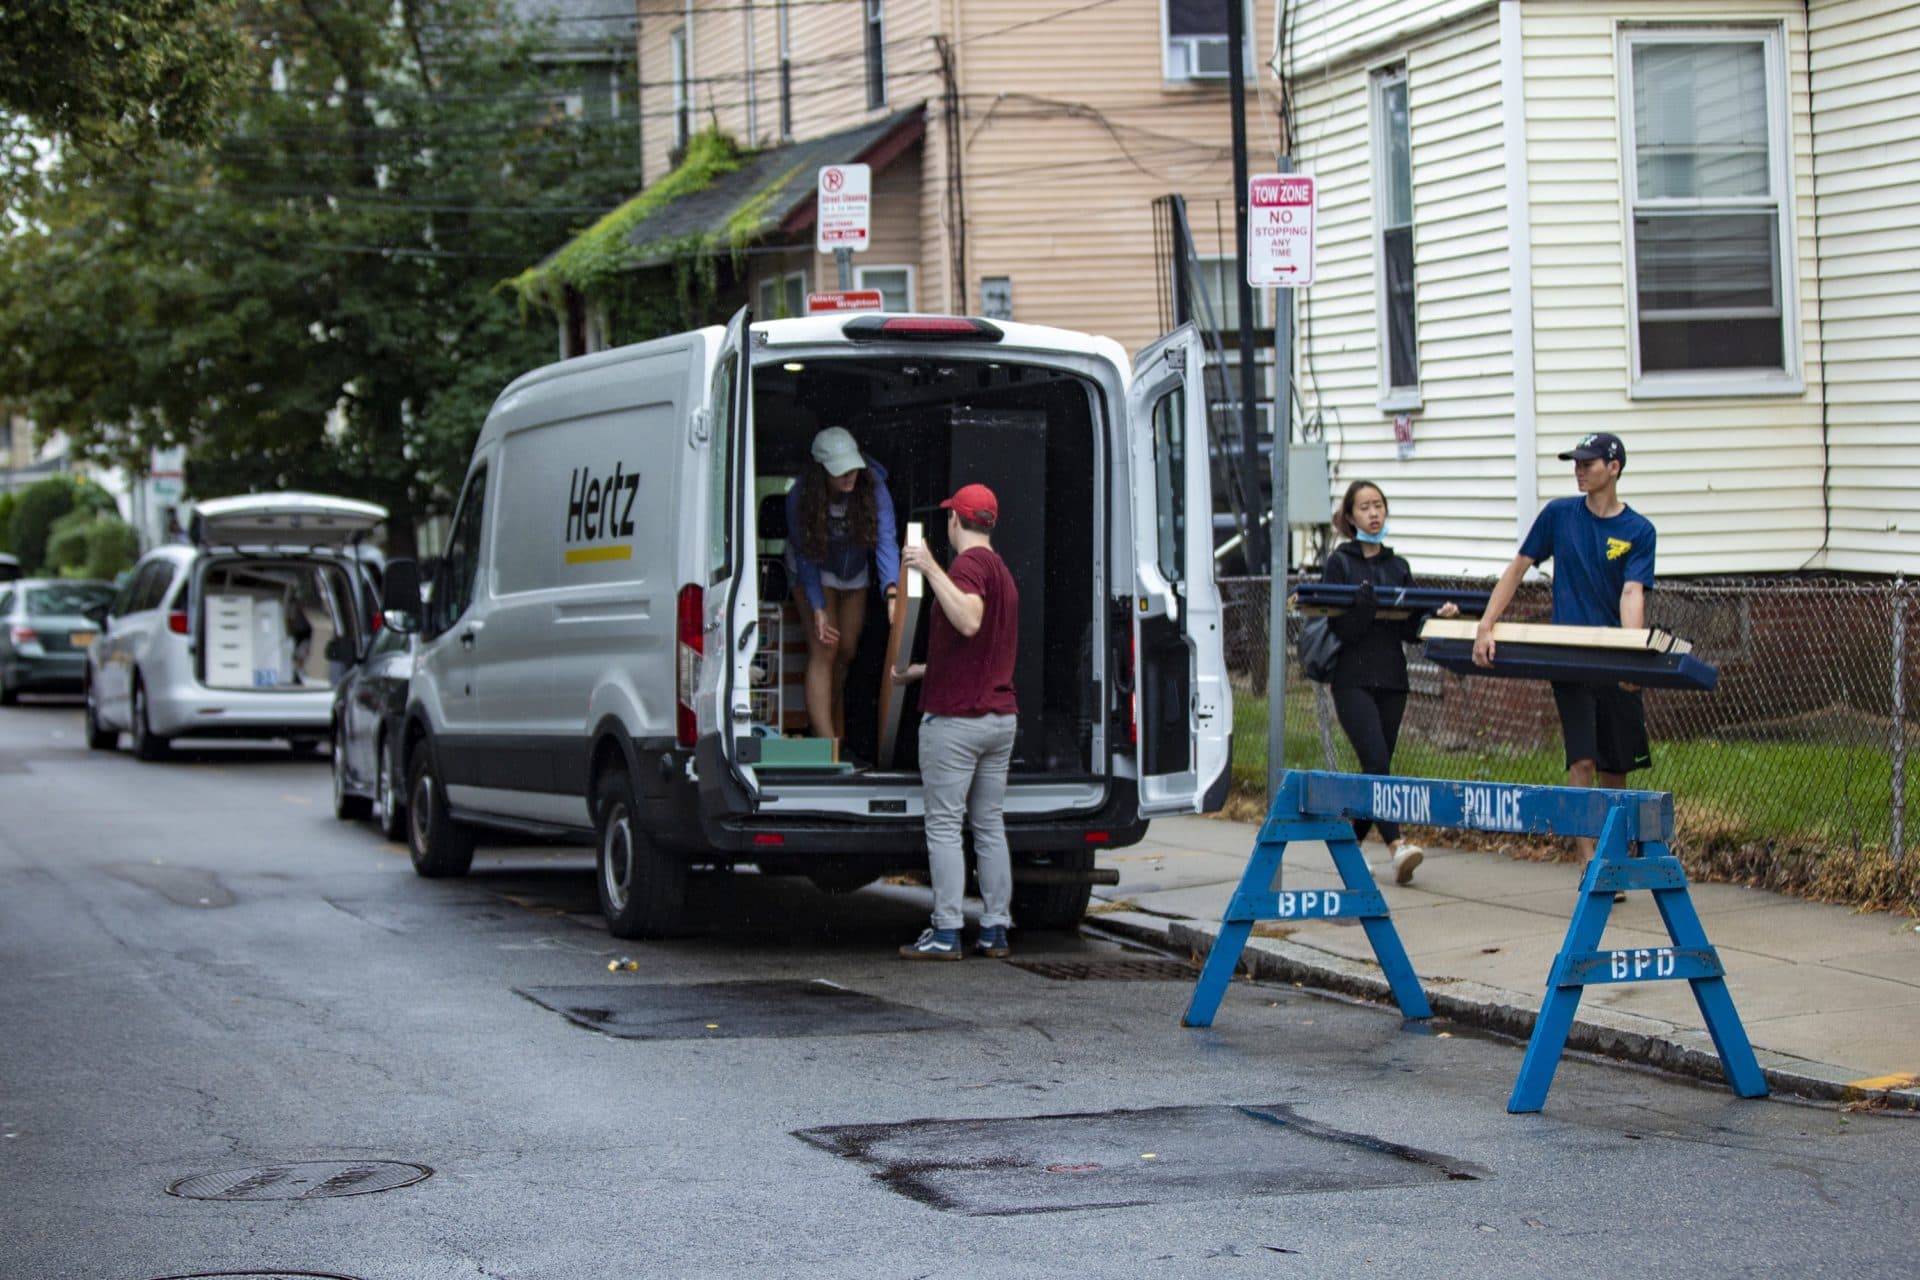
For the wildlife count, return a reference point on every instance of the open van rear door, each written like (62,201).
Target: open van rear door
(731,568)
(1183,707)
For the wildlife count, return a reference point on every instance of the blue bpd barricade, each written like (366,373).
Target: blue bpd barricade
(1632,828)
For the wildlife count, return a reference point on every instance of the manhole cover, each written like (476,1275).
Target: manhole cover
(259,1275)
(1110,970)
(1115,1159)
(304,1180)
(729,1010)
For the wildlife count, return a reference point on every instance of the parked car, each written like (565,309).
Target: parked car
(555,691)
(242,633)
(46,625)
(369,706)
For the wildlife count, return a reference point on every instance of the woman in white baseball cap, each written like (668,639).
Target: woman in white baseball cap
(840,537)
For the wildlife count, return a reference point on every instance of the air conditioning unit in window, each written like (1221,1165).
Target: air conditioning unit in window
(1199,58)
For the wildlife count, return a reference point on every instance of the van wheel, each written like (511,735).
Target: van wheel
(147,744)
(99,738)
(1054,906)
(346,805)
(440,846)
(388,812)
(642,888)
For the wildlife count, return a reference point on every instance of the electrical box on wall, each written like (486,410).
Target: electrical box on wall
(1309,487)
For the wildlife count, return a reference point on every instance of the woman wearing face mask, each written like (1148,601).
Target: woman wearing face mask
(1370,674)
(840,533)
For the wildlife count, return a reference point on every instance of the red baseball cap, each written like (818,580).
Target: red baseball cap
(975,502)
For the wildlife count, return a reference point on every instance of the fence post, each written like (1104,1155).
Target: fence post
(1897,836)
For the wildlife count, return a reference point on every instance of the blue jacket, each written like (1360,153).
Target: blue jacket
(844,559)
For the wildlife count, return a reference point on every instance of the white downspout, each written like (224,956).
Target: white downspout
(1513,105)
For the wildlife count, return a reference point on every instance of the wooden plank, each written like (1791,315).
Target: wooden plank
(1548,633)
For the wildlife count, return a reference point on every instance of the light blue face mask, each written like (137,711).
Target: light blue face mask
(1364,536)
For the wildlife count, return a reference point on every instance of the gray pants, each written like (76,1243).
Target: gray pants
(963,778)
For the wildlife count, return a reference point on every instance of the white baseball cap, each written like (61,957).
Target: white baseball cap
(835,449)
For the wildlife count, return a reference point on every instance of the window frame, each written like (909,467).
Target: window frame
(784,25)
(1789,379)
(913,282)
(680,76)
(1166,52)
(874,30)
(1389,397)
(473,498)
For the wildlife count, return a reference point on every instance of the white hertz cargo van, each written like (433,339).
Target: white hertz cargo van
(605,648)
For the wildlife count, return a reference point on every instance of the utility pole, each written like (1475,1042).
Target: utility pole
(1255,547)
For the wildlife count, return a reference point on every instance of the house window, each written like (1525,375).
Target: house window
(682,95)
(1196,40)
(876,56)
(894,283)
(1706,182)
(783,296)
(1399,342)
(1220,290)
(786,73)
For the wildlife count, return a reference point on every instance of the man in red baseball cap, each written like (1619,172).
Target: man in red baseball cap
(967,723)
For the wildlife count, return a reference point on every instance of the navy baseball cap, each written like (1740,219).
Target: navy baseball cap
(1601,444)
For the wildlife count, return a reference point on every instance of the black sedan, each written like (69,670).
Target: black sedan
(368,706)
(46,625)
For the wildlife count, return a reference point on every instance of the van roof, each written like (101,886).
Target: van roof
(827,330)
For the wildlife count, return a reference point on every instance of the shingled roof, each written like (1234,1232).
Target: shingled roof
(772,190)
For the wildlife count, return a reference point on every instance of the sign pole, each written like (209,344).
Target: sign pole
(1279,532)
(843,259)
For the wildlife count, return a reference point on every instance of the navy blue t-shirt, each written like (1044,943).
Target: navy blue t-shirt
(1598,558)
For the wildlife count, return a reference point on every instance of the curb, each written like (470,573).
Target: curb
(1686,1051)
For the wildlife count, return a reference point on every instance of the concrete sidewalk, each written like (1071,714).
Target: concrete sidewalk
(1830,998)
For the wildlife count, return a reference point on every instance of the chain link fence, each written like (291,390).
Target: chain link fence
(1802,753)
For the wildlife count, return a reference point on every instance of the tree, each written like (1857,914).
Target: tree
(315,301)
(122,75)
(86,543)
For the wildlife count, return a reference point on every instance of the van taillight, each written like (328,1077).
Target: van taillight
(691,643)
(920,329)
(177,622)
(1133,687)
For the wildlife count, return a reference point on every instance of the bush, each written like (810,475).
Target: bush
(7,503)
(87,544)
(39,506)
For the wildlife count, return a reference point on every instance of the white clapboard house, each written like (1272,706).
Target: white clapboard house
(1695,223)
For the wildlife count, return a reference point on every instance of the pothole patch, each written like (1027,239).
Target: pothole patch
(1118,1159)
(1109,970)
(301,1180)
(731,1010)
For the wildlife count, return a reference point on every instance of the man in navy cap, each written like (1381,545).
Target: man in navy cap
(967,723)
(1603,552)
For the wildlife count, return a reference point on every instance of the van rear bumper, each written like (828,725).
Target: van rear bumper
(674,812)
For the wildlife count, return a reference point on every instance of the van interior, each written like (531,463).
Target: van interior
(266,623)
(1029,433)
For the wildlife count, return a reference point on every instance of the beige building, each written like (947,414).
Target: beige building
(1017,153)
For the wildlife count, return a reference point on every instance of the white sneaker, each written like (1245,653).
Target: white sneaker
(1406,857)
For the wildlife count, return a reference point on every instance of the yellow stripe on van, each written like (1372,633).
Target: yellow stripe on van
(596,555)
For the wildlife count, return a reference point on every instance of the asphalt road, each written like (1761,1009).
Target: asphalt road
(208,984)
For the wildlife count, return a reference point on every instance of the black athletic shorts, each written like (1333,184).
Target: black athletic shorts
(1605,724)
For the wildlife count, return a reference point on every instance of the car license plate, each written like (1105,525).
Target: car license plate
(81,639)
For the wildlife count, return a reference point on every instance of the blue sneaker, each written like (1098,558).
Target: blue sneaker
(992,941)
(934,944)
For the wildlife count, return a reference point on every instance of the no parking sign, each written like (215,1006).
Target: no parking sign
(1280,230)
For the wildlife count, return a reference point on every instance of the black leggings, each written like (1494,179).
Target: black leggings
(1371,720)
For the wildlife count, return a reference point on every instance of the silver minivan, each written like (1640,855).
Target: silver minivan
(605,629)
(240,633)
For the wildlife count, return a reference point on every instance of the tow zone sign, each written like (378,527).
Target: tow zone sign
(1280,230)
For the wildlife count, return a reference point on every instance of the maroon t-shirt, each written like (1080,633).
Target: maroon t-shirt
(973,675)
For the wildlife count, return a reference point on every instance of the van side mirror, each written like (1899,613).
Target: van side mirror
(400,596)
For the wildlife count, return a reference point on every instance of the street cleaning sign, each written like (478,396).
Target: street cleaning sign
(845,211)
(1280,230)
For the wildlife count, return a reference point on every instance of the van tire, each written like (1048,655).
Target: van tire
(441,848)
(9,696)
(1054,906)
(642,888)
(147,744)
(99,738)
